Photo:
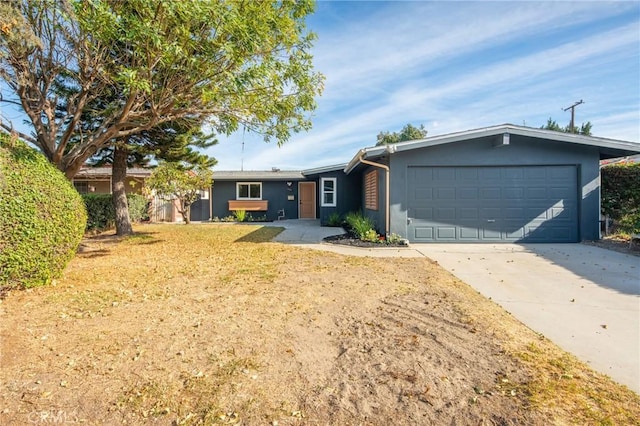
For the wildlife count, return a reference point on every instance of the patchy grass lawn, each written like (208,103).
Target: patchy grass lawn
(214,324)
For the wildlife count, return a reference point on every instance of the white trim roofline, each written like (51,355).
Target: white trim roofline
(612,144)
(256,175)
(325,169)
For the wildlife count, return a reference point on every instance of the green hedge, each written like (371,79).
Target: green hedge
(620,192)
(102,215)
(42,217)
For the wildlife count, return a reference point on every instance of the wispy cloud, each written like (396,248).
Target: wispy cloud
(457,65)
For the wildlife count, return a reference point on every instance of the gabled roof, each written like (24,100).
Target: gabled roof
(257,175)
(609,148)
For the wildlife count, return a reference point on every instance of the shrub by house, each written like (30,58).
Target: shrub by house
(621,195)
(102,215)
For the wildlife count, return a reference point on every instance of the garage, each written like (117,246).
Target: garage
(492,204)
(499,184)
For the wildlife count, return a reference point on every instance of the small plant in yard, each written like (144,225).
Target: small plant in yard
(370,235)
(240,215)
(262,218)
(630,222)
(229,218)
(359,224)
(394,238)
(334,219)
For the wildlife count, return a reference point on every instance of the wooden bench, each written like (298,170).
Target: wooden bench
(249,205)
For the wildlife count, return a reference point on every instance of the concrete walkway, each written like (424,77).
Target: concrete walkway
(309,234)
(303,231)
(583,298)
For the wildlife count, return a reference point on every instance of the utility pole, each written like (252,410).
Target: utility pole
(573,114)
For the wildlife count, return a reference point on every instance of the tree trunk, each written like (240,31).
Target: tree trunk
(120,205)
(185,211)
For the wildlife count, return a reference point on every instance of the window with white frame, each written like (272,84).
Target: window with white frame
(328,192)
(249,191)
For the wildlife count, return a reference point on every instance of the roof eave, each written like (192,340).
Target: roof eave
(320,170)
(257,175)
(368,153)
(609,148)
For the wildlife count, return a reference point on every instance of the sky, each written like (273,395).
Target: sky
(456,66)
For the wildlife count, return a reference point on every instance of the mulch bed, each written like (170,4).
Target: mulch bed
(349,239)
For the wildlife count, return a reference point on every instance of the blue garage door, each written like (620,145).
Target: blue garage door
(492,204)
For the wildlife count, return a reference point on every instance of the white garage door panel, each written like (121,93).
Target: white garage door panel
(510,203)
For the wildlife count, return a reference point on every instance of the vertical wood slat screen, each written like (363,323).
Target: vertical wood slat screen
(371,190)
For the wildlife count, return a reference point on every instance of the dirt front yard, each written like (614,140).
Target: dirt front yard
(213,324)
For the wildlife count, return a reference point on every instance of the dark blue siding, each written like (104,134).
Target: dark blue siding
(276,192)
(200,210)
(348,194)
(222,192)
(284,197)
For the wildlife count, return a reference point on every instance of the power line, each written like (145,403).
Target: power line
(244,129)
(573,113)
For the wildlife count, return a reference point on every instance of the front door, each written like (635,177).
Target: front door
(307,195)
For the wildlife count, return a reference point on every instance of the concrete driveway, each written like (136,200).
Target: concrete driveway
(584,298)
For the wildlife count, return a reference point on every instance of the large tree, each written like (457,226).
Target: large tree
(584,129)
(172,181)
(226,62)
(170,141)
(408,133)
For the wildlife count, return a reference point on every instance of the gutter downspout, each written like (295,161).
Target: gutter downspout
(386,193)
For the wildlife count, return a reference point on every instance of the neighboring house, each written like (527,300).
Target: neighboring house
(98,180)
(497,184)
(633,159)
